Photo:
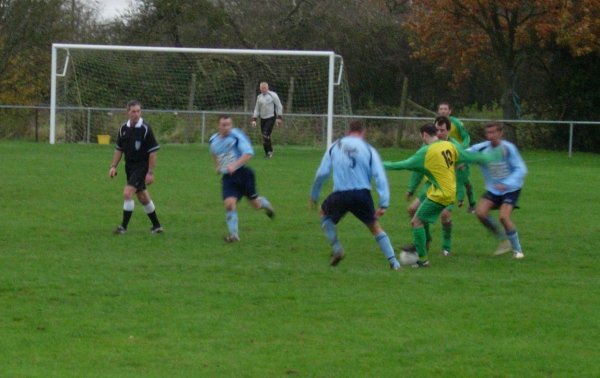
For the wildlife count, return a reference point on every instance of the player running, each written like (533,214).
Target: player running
(354,163)
(231,150)
(503,182)
(436,160)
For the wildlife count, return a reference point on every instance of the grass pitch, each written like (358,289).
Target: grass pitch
(76,300)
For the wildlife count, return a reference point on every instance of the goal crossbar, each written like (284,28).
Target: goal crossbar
(62,46)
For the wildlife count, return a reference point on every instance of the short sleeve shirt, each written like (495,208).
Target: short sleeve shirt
(228,149)
(136,142)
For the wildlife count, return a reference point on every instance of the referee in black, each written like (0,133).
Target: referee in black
(137,142)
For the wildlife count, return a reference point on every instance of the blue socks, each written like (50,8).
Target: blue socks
(386,247)
(492,225)
(513,236)
(264,203)
(232,222)
(382,239)
(330,232)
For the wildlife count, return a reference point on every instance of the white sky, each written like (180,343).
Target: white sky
(112,8)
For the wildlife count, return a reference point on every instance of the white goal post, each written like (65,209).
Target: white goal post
(62,60)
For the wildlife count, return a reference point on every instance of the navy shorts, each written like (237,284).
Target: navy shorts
(136,175)
(240,183)
(358,202)
(510,198)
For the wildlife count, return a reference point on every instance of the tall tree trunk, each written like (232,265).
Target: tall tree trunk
(508,107)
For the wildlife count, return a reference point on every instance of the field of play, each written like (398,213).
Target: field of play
(76,300)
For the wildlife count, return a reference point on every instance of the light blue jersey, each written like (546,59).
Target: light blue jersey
(355,163)
(228,149)
(510,171)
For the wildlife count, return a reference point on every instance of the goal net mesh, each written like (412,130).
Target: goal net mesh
(182,93)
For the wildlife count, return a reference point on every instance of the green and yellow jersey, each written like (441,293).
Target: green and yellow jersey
(459,132)
(437,162)
(417,178)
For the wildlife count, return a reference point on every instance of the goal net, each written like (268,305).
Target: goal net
(182,90)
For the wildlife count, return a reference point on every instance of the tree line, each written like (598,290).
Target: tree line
(523,59)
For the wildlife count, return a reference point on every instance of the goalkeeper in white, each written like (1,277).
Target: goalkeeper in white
(269,108)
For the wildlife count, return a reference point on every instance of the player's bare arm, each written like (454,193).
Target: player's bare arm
(112,172)
(151,166)
(240,162)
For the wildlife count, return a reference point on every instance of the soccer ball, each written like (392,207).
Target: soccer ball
(408,257)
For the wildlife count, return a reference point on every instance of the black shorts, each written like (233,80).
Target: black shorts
(358,202)
(266,126)
(136,175)
(510,198)
(240,183)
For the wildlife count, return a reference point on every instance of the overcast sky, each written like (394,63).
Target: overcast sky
(112,8)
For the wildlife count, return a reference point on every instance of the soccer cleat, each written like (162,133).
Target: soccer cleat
(421,264)
(231,238)
(460,203)
(156,230)
(471,210)
(395,266)
(518,255)
(270,211)
(503,247)
(120,230)
(336,257)
(445,252)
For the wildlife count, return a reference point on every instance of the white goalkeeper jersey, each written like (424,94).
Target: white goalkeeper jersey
(268,105)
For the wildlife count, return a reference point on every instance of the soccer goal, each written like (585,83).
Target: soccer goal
(182,90)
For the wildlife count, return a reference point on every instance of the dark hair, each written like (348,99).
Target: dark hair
(445,103)
(131,103)
(356,126)
(443,120)
(222,116)
(495,124)
(429,129)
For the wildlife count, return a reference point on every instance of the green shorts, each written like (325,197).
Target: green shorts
(429,211)
(423,191)
(423,196)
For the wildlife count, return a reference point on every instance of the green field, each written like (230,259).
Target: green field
(76,300)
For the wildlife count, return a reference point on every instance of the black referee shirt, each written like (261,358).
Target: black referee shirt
(136,142)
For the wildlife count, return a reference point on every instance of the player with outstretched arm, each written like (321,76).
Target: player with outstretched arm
(437,161)
(443,127)
(354,163)
(231,150)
